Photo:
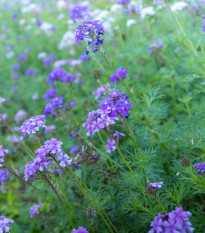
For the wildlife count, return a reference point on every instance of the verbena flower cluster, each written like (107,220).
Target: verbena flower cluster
(200,167)
(156,45)
(53,106)
(5,224)
(3,152)
(79,11)
(122,72)
(35,209)
(91,29)
(2,100)
(175,221)
(80,230)
(3,175)
(101,91)
(32,125)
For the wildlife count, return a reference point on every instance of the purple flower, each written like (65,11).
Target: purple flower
(80,230)
(34,209)
(3,152)
(58,171)
(155,185)
(73,149)
(49,129)
(91,29)
(101,91)
(3,175)
(71,104)
(30,72)
(56,75)
(47,61)
(155,2)
(2,100)
(13,139)
(16,66)
(53,107)
(14,16)
(203,17)
(20,115)
(68,78)
(15,74)
(5,224)
(50,94)
(14,88)
(200,167)
(156,45)
(32,125)
(121,72)
(64,160)
(79,11)
(132,9)
(99,119)
(118,103)
(175,221)
(111,146)
(84,57)
(123,2)
(117,134)
(22,57)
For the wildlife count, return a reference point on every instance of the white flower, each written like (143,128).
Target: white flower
(115,7)
(178,6)
(130,22)
(46,26)
(42,55)
(22,21)
(67,40)
(10,54)
(147,11)
(61,16)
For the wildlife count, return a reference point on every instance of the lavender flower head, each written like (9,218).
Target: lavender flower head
(20,115)
(111,145)
(155,2)
(5,224)
(32,125)
(22,57)
(156,45)
(80,230)
(200,167)
(30,72)
(123,2)
(175,221)
(56,75)
(3,152)
(16,66)
(118,103)
(79,11)
(121,72)
(34,209)
(118,134)
(91,29)
(99,119)
(101,91)
(3,175)
(73,149)
(50,94)
(49,129)
(53,107)
(203,17)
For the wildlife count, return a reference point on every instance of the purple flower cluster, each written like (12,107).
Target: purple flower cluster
(3,175)
(47,61)
(50,94)
(200,167)
(175,221)
(118,134)
(101,91)
(111,146)
(30,72)
(71,104)
(91,29)
(153,187)
(99,119)
(20,115)
(203,17)
(118,103)
(68,78)
(79,11)
(53,107)
(32,125)
(3,152)
(123,2)
(156,45)
(5,224)
(155,2)
(121,72)
(80,230)
(16,66)
(22,57)
(49,129)
(73,149)
(56,75)
(34,209)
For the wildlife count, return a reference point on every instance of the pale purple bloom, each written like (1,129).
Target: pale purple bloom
(14,16)
(14,88)
(30,72)
(84,57)
(68,78)
(175,221)
(101,91)
(13,139)
(3,152)
(155,2)
(155,185)
(22,57)
(49,129)
(111,146)
(121,72)
(73,149)
(71,104)
(123,2)
(3,116)
(3,175)
(50,93)
(32,125)
(5,224)
(57,74)
(15,74)
(118,103)
(16,66)
(80,230)
(156,45)
(118,134)
(64,160)
(20,115)
(2,100)
(99,119)
(53,107)
(79,11)
(203,17)
(34,209)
